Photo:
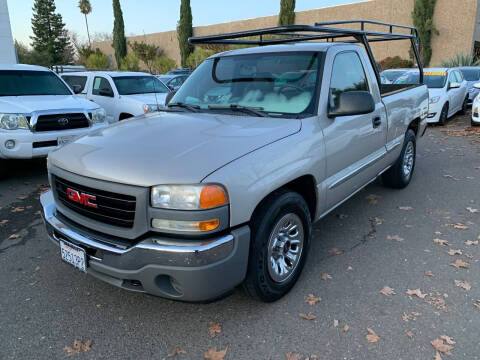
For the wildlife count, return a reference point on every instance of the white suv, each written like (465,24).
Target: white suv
(121,94)
(39,112)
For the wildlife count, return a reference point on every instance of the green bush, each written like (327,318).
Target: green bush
(163,64)
(395,62)
(98,61)
(198,56)
(130,63)
(461,60)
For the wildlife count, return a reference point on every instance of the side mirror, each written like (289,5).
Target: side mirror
(103,92)
(353,103)
(77,89)
(476,86)
(169,97)
(454,85)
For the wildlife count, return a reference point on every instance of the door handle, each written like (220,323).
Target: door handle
(376,121)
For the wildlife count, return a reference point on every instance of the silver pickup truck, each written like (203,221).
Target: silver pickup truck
(222,187)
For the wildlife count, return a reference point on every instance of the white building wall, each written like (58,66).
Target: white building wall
(7,50)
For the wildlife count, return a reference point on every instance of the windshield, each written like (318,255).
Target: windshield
(130,85)
(471,74)
(274,83)
(433,80)
(23,83)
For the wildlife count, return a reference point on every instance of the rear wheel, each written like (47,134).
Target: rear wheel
(464,107)
(443,115)
(400,174)
(281,232)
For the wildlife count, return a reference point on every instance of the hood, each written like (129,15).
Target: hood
(28,104)
(147,98)
(169,148)
(435,92)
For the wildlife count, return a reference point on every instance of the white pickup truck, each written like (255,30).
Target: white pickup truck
(122,94)
(38,113)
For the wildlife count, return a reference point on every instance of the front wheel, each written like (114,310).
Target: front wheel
(400,174)
(464,107)
(281,232)
(443,115)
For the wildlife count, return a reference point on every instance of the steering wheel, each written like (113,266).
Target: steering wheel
(290,87)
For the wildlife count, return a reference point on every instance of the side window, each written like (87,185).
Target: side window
(102,87)
(347,75)
(451,77)
(75,80)
(459,76)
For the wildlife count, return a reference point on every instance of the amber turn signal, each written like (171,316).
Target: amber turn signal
(212,196)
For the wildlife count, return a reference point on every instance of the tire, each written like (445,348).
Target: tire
(397,176)
(464,107)
(443,115)
(266,279)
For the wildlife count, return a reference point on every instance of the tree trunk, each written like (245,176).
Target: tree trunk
(88,33)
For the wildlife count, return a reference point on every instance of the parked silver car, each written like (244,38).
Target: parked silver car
(472,75)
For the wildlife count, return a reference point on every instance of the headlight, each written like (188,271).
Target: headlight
(188,197)
(147,108)
(13,121)
(434,99)
(98,115)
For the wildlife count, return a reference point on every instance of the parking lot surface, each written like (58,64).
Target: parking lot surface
(405,240)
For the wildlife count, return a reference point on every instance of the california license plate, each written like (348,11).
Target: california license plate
(73,255)
(63,140)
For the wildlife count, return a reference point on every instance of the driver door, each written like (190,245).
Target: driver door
(104,95)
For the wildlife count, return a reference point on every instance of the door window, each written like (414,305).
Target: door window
(459,76)
(102,87)
(347,75)
(75,80)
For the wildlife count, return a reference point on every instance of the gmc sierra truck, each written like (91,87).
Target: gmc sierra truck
(222,187)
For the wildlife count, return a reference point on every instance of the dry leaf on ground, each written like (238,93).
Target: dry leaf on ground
(441,242)
(454,252)
(448,339)
(459,263)
(428,273)
(372,337)
(326,276)
(78,346)
(213,354)
(372,199)
(176,351)
(336,251)
(405,208)
(308,316)
(293,356)
(471,243)
(416,292)
(439,345)
(437,356)
(17,209)
(345,328)
(446,176)
(14,236)
(214,329)
(312,300)
(459,226)
(335,323)
(477,304)
(395,238)
(377,220)
(463,284)
(409,334)
(387,291)
(472,210)
(3,222)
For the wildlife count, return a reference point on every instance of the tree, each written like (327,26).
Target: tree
(163,64)
(287,12)
(422,17)
(130,62)
(184,31)
(119,41)
(147,53)
(198,56)
(31,56)
(49,33)
(85,8)
(98,61)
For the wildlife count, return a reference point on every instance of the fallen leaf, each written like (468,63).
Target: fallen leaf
(14,236)
(446,176)
(463,284)
(428,273)
(387,291)
(23,197)
(312,300)
(405,208)
(395,238)
(472,210)
(308,316)
(454,252)
(441,347)
(438,303)
(3,222)
(459,263)
(214,329)
(17,209)
(372,199)
(448,339)
(477,304)
(405,317)
(326,276)
(459,226)
(345,328)
(440,242)
(336,251)
(372,337)
(213,354)
(176,351)
(409,334)
(471,243)
(417,293)
(78,346)
(349,268)
(335,323)
(377,220)
(37,268)
(293,356)
(415,314)
(437,356)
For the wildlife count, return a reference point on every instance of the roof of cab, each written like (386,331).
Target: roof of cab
(23,67)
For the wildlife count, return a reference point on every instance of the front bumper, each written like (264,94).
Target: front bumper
(30,144)
(172,268)
(434,112)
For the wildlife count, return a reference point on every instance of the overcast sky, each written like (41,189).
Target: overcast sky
(150,16)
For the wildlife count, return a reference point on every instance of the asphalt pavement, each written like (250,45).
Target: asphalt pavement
(384,238)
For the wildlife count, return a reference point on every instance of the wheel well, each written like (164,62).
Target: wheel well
(305,186)
(414,125)
(124,116)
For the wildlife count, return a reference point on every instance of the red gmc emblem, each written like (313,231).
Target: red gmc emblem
(81,198)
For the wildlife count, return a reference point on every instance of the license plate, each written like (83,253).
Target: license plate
(63,140)
(73,255)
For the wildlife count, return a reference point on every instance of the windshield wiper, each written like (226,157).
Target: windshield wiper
(257,111)
(190,107)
